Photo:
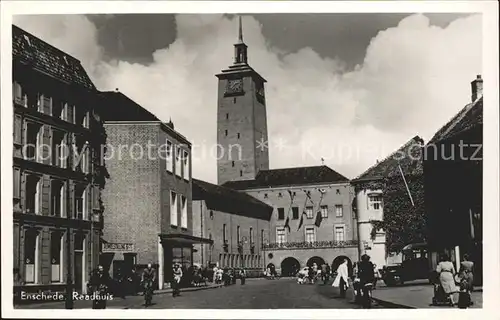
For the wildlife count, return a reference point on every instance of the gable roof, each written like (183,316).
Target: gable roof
(228,200)
(466,119)
(289,177)
(41,56)
(408,156)
(119,107)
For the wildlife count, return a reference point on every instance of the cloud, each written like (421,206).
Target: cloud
(413,79)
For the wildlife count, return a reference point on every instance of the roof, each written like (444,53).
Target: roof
(228,200)
(41,56)
(289,177)
(119,107)
(408,156)
(471,116)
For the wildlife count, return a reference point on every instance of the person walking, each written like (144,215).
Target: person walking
(243,276)
(99,287)
(177,273)
(446,272)
(366,277)
(466,276)
(342,281)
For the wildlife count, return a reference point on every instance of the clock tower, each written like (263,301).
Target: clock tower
(243,147)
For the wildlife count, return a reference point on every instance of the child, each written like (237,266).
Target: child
(464,300)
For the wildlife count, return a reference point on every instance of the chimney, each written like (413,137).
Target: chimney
(477,88)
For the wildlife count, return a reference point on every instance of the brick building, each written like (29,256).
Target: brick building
(57,166)
(236,222)
(148,197)
(312,219)
(453,168)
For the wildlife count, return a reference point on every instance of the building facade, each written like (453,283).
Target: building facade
(453,163)
(312,219)
(58,169)
(369,200)
(236,223)
(149,193)
(241,119)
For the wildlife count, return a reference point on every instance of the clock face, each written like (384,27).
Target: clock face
(234,86)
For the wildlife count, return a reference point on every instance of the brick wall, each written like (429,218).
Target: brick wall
(336,194)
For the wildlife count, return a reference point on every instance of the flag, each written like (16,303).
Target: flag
(308,194)
(406,185)
(290,193)
(287,223)
(319,218)
(301,222)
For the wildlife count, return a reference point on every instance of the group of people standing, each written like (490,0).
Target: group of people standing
(449,278)
(228,276)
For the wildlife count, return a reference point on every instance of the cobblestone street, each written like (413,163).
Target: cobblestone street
(255,294)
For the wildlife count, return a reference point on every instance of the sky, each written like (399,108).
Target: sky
(349,87)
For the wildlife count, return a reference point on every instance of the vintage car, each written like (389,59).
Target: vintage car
(414,266)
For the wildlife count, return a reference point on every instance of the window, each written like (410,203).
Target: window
(56,258)
(280,235)
(241,173)
(262,237)
(59,149)
(295,213)
(227,116)
(375,201)
(339,233)
(33,193)
(251,235)
(44,104)
(238,135)
(173,208)
(238,234)
(178,156)
(324,211)
(79,242)
(225,133)
(17,184)
(85,119)
(64,111)
(224,231)
(80,202)
(232,164)
(31,255)
(281,213)
(310,234)
(169,157)
(18,95)
(309,212)
(18,129)
(211,215)
(34,133)
(280,195)
(56,198)
(185,162)
(339,210)
(81,157)
(184,216)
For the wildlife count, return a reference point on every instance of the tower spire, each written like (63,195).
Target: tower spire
(240,33)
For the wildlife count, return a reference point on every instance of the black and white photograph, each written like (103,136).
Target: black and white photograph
(249,156)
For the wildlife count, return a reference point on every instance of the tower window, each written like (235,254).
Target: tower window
(225,132)
(232,164)
(227,116)
(234,100)
(241,173)
(238,135)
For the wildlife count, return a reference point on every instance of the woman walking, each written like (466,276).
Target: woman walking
(341,281)
(446,272)
(466,282)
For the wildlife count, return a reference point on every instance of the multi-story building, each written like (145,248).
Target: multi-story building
(312,219)
(148,196)
(369,188)
(236,222)
(57,166)
(453,168)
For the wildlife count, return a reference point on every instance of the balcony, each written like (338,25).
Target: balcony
(310,245)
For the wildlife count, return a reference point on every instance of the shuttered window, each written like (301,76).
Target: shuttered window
(17,183)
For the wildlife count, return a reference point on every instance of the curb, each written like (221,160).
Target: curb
(165,291)
(393,305)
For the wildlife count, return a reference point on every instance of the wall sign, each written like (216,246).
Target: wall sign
(118,247)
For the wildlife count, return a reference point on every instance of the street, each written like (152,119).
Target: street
(255,294)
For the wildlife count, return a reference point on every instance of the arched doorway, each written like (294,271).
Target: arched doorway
(338,260)
(318,260)
(289,267)
(271,267)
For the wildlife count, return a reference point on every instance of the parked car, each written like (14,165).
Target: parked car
(414,266)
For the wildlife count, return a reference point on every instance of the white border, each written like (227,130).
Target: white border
(491,145)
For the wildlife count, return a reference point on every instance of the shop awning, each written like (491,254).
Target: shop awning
(184,239)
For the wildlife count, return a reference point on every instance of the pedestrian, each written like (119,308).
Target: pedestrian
(177,277)
(466,278)
(366,277)
(242,276)
(375,278)
(446,272)
(215,271)
(148,279)
(341,281)
(99,287)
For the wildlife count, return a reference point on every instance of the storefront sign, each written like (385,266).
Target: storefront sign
(118,247)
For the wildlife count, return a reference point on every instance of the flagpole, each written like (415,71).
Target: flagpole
(406,184)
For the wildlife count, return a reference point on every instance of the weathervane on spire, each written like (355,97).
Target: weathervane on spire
(240,48)
(322,161)
(240,33)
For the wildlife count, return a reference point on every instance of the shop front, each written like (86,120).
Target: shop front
(118,258)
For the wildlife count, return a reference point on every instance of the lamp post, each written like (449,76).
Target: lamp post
(69,281)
